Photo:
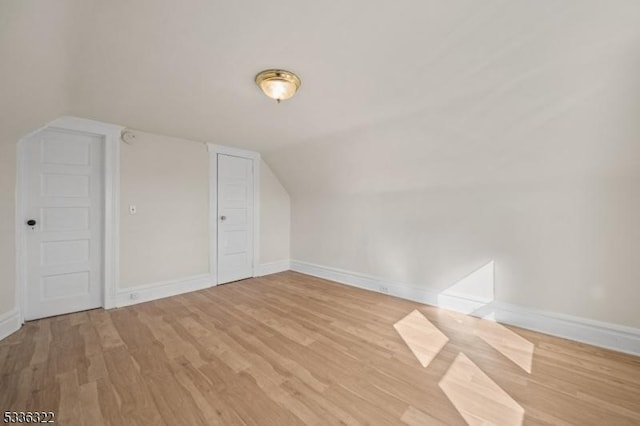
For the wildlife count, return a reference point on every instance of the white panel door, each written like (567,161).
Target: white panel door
(63,194)
(235,218)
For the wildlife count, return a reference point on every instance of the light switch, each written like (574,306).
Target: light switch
(132,209)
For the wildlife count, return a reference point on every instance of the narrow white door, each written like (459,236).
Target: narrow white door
(235,218)
(63,205)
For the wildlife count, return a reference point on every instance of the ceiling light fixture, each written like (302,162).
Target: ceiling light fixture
(278,84)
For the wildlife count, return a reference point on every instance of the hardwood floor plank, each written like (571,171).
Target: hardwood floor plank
(414,417)
(108,335)
(70,410)
(90,404)
(135,403)
(193,378)
(240,392)
(282,363)
(202,396)
(289,349)
(110,403)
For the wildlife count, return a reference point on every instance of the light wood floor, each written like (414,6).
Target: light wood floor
(292,349)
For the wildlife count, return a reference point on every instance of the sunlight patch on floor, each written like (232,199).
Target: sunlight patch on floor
(518,349)
(477,398)
(414,417)
(423,338)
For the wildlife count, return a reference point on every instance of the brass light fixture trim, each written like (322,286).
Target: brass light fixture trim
(278,84)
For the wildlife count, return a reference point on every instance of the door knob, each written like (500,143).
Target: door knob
(223,218)
(31,222)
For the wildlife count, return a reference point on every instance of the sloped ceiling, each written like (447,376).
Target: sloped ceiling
(187,68)
(37,48)
(434,91)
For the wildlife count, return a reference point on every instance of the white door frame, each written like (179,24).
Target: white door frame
(111,136)
(214,150)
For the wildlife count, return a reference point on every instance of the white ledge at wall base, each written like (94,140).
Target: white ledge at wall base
(10,322)
(606,335)
(597,333)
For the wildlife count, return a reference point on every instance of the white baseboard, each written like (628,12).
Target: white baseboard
(602,334)
(273,267)
(10,322)
(598,333)
(148,292)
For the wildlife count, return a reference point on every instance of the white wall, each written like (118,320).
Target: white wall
(167,179)
(168,238)
(561,248)
(7,227)
(541,177)
(36,43)
(275,218)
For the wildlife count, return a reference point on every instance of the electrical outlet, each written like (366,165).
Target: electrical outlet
(132,209)
(384,289)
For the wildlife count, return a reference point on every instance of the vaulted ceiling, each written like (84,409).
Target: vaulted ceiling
(435,91)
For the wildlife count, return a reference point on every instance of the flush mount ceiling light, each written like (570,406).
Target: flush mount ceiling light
(278,84)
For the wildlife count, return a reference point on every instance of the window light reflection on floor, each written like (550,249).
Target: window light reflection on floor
(477,398)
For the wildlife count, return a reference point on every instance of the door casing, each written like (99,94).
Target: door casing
(110,257)
(214,150)
(112,134)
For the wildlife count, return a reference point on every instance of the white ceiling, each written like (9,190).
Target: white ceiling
(396,95)
(186,68)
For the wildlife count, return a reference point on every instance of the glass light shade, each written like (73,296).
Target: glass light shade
(278,89)
(278,84)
